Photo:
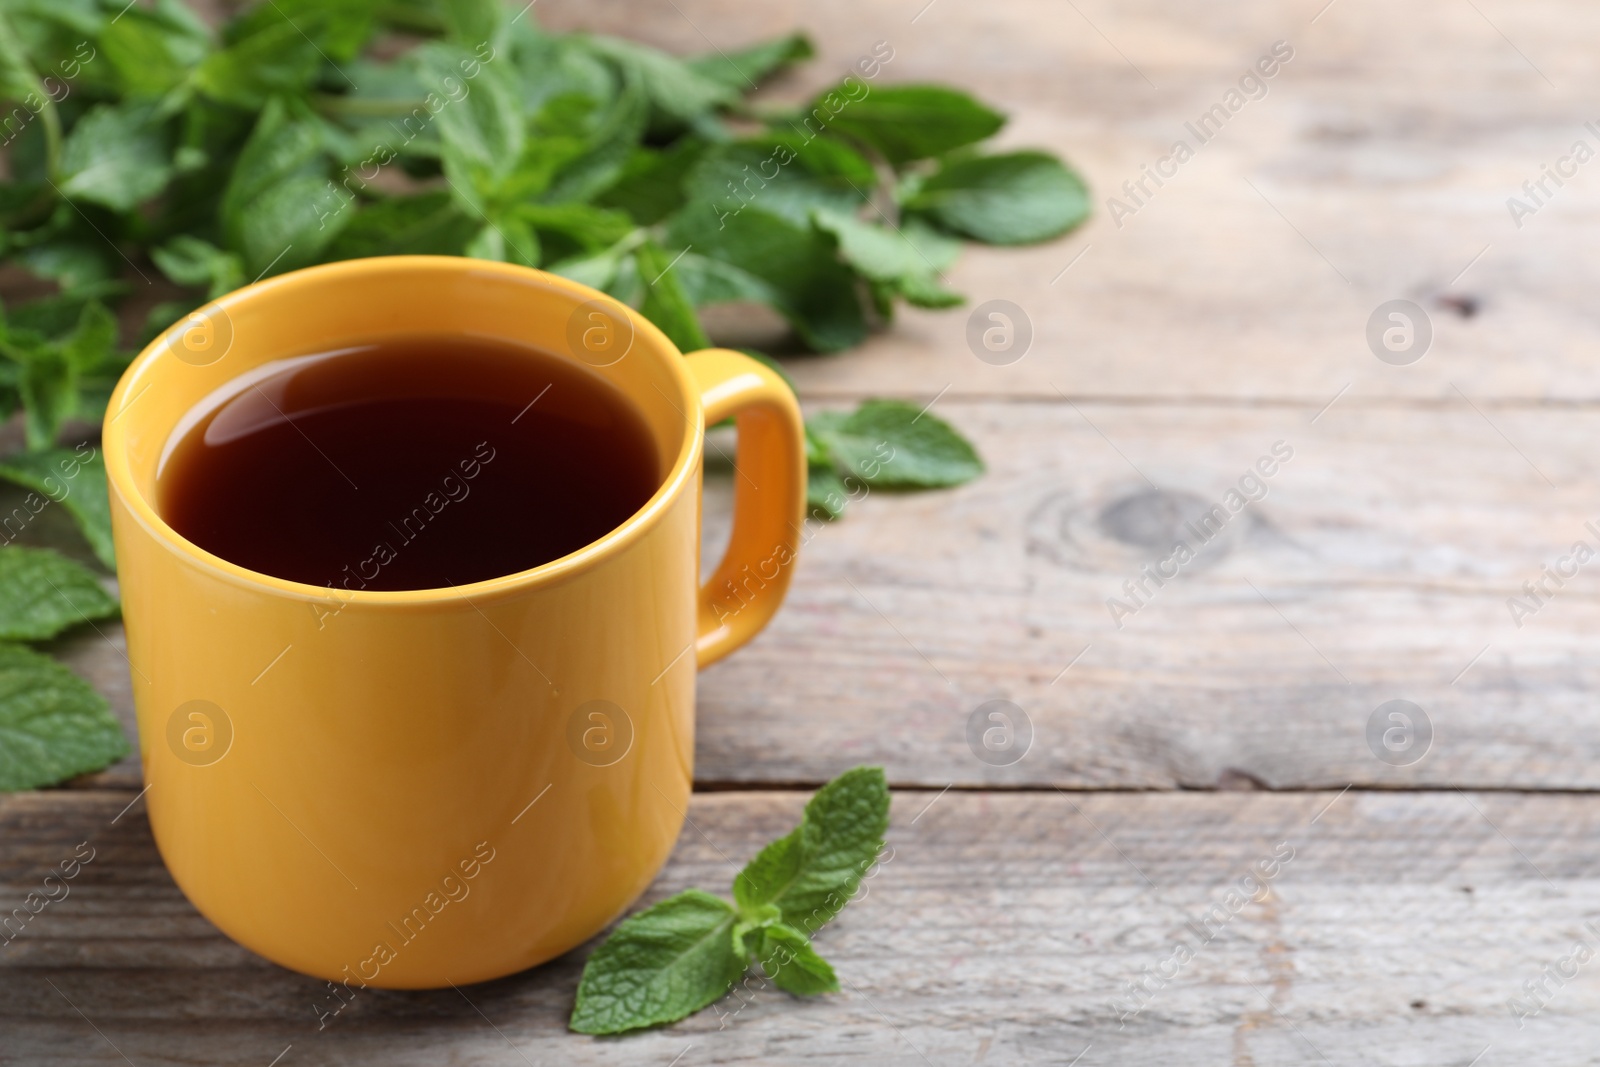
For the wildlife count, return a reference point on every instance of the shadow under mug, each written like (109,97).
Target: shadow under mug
(407,789)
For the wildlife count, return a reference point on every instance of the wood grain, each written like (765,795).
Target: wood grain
(1396,930)
(1378,566)
(1377,166)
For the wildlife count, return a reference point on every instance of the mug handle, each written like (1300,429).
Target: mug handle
(769,499)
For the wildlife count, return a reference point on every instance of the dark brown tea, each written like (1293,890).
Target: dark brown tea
(408,464)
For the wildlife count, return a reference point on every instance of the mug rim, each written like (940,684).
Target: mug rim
(119,476)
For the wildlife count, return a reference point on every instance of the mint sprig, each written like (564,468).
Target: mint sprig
(685,953)
(74,478)
(43,593)
(883,444)
(295,132)
(53,725)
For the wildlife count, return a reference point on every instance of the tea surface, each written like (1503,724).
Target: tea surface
(408,464)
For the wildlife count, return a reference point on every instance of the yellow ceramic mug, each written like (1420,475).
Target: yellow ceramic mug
(412,788)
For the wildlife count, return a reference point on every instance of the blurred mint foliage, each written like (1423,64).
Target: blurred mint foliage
(143,142)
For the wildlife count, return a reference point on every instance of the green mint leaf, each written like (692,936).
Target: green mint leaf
(188,260)
(747,931)
(162,315)
(487,243)
(602,143)
(905,122)
(91,343)
(481,126)
(649,185)
(731,178)
(907,260)
(338,27)
(806,283)
(658,966)
(429,224)
(472,22)
(822,157)
(786,955)
(53,725)
(283,47)
(116,157)
(743,69)
(479,119)
(1014,199)
(548,66)
(924,291)
(91,351)
(72,263)
(675,90)
(826,494)
(10,398)
(687,951)
(280,209)
(51,317)
(49,392)
(43,593)
(817,454)
(713,281)
(283,144)
(565,230)
(598,271)
(73,478)
(273,61)
(894,445)
(281,230)
(17,76)
(665,303)
(152,52)
(812,872)
(388,109)
(179,17)
(506,240)
(886,254)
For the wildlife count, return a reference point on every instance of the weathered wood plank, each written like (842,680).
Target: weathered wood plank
(1395,928)
(1380,170)
(1378,566)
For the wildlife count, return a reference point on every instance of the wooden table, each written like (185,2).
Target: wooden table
(1034,911)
